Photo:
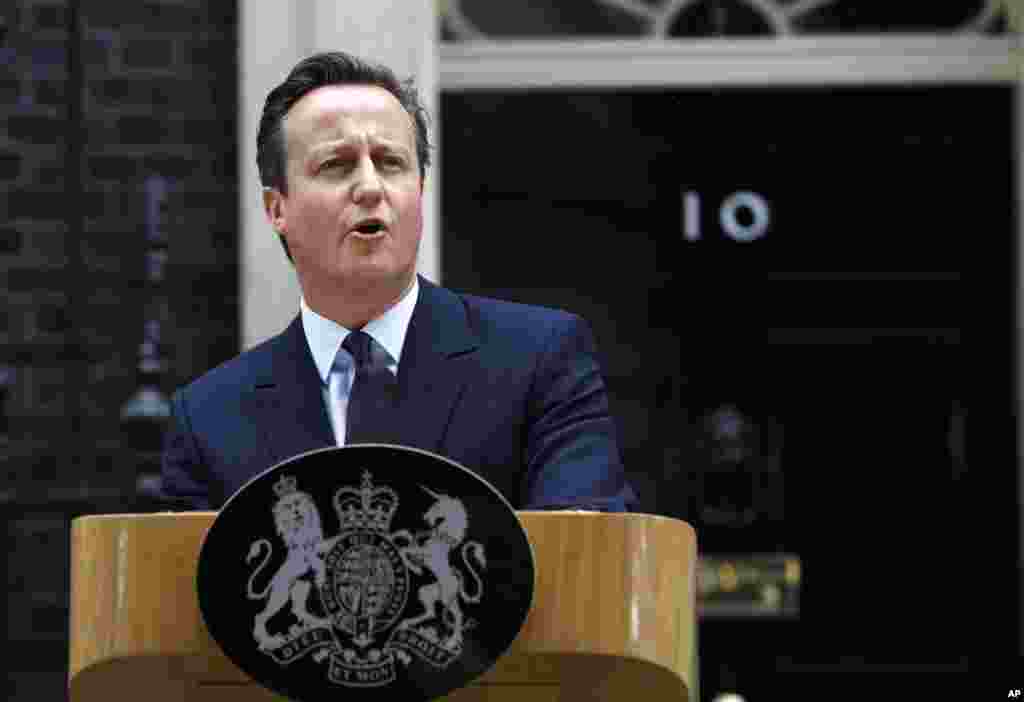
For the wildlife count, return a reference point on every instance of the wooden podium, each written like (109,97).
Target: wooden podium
(613,614)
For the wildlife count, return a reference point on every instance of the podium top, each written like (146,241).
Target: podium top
(614,608)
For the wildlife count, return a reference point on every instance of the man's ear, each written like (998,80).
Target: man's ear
(274,208)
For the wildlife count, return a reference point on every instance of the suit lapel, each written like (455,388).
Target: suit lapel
(286,399)
(435,367)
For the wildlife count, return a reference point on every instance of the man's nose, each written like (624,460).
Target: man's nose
(367,184)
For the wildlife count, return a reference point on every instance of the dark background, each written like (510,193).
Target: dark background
(837,336)
(96,97)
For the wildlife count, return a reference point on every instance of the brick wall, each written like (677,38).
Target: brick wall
(96,98)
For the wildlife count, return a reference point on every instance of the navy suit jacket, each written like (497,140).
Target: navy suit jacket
(512,392)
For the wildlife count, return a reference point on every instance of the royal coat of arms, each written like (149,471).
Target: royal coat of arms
(368,598)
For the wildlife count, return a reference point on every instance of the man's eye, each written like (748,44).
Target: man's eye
(392,162)
(332,164)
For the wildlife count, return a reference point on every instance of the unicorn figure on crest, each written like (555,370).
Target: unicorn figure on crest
(447,521)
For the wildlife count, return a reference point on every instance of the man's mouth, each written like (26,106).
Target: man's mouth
(370,227)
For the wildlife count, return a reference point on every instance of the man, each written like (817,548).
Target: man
(512,392)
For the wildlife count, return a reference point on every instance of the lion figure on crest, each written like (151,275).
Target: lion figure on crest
(298,524)
(432,549)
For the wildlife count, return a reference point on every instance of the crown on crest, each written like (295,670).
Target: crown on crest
(366,507)
(286,485)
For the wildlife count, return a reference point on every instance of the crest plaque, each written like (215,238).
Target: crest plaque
(368,570)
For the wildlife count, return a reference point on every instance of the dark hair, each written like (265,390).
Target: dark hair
(331,68)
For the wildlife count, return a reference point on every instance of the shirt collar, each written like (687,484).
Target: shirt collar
(325,336)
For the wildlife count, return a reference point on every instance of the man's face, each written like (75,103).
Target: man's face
(353,213)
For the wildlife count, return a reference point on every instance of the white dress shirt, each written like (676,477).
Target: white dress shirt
(335,365)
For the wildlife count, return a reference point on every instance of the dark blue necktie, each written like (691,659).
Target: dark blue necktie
(371,402)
